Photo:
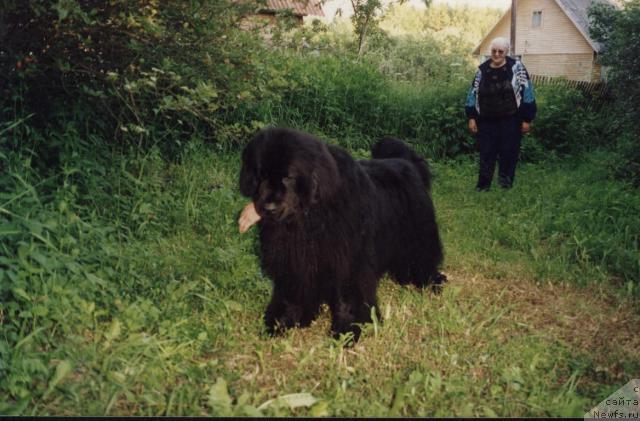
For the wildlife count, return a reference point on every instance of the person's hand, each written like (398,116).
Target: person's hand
(526,127)
(248,218)
(473,127)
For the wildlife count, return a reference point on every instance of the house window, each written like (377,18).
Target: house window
(536,21)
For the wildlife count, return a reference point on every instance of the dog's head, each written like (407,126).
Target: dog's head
(285,172)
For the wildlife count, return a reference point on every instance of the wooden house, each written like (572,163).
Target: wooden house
(298,8)
(552,38)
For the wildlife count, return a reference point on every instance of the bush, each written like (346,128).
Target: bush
(340,97)
(617,30)
(138,72)
(557,109)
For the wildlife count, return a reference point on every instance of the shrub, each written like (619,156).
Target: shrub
(141,72)
(557,109)
(617,30)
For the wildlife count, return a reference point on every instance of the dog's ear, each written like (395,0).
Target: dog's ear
(248,173)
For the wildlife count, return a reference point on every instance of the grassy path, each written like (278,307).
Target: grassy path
(533,322)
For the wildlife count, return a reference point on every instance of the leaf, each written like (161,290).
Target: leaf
(489,413)
(62,370)
(41,259)
(233,305)
(398,402)
(321,409)
(250,411)
(294,400)
(40,310)
(117,377)
(19,292)
(7,408)
(62,12)
(219,396)
(114,330)
(9,229)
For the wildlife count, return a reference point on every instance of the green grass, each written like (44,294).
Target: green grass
(142,299)
(563,221)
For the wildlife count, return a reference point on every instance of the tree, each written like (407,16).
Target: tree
(617,30)
(366,17)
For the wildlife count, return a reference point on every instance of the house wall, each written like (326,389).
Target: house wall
(571,66)
(557,35)
(556,48)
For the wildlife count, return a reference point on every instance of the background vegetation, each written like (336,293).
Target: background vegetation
(125,289)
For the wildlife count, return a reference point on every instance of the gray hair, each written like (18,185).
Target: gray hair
(501,42)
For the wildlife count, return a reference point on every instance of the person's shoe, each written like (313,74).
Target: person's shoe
(482,188)
(505,182)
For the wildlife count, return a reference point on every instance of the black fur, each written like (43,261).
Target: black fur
(332,226)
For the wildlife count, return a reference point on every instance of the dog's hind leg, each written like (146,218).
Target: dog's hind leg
(422,256)
(423,273)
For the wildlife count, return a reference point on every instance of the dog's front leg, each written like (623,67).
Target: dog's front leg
(281,313)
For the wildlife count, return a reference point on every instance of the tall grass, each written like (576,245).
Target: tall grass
(566,218)
(355,103)
(145,300)
(342,98)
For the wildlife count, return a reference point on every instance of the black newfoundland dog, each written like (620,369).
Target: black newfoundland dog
(331,226)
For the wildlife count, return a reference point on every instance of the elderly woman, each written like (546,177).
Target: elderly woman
(500,107)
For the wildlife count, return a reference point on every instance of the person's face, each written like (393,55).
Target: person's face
(498,55)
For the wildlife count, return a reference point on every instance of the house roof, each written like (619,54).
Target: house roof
(298,7)
(576,11)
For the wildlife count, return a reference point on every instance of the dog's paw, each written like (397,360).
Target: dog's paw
(347,339)
(436,282)
(275,327)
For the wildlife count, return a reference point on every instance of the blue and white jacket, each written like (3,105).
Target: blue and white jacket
(522,89)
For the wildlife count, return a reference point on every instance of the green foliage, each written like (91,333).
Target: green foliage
(342,97)
(56,275)
(466,24)
(617,30)
(365,19)
(420,58)
(142,72)
(433,45)
(558,109)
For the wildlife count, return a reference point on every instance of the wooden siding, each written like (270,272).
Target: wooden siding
(557,35)
(298,7)
(571,66)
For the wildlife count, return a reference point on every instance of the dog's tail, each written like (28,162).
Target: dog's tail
(388,147)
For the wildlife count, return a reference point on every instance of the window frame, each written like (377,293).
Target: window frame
(540,13)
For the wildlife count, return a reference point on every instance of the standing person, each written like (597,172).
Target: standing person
(500,108)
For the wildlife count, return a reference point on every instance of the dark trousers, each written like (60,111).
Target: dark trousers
(498,140)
